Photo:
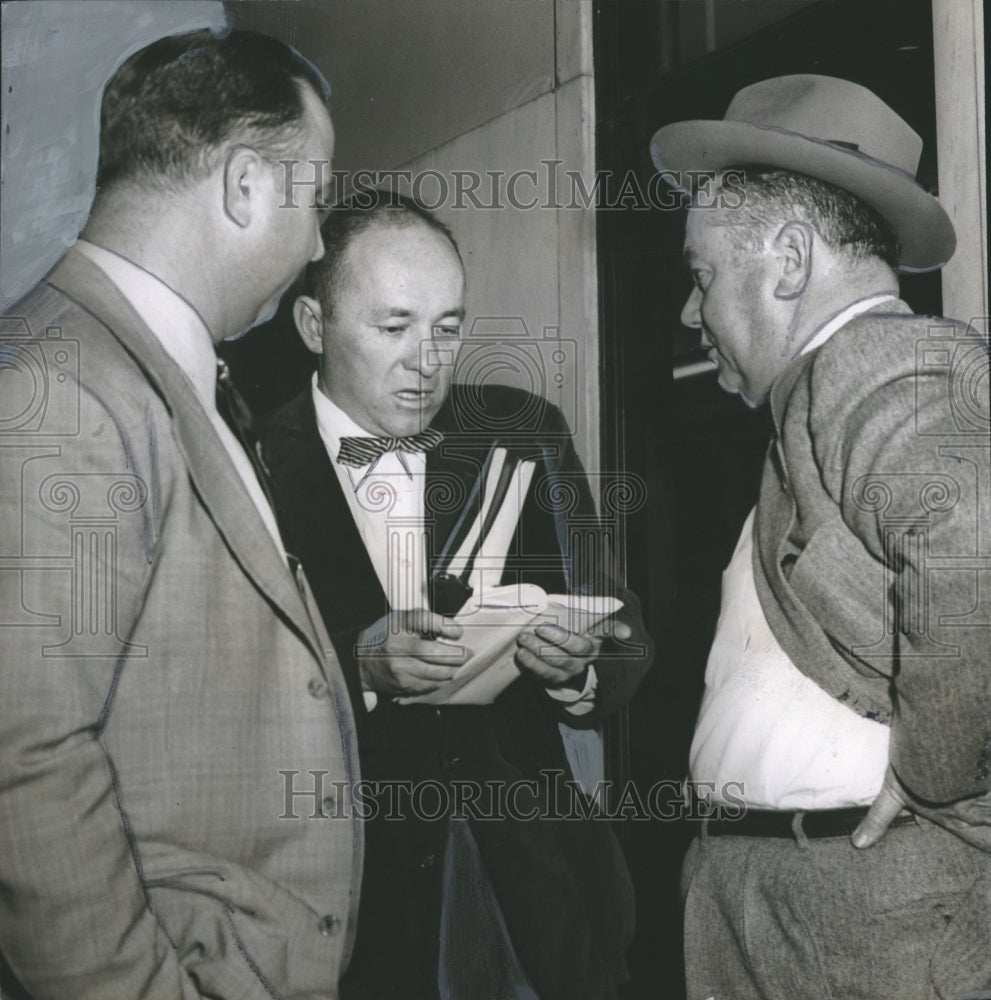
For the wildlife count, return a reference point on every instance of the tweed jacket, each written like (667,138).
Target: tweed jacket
(170,700)
(563,887)
(873,542)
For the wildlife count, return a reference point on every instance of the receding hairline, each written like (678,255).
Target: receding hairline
(337,272)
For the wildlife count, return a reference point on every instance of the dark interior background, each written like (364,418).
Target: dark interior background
(699,449)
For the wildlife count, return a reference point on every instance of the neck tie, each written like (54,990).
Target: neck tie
(235,413)
(359,451)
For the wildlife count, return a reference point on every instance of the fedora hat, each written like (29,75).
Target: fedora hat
(830,129)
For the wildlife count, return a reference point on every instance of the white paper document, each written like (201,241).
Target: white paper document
(491,624)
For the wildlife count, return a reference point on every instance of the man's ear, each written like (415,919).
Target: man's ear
(308,316)
(243,175)
(793,247)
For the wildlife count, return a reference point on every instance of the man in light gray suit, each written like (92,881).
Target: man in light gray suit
(847,689)
(173,720)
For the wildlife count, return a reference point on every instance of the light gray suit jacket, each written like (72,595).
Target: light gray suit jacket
(873,554)
(168,695)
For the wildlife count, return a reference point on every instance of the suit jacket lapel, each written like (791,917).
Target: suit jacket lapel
(210,466)
(318,521)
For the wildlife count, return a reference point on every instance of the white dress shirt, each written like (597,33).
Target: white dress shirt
(765,728)
(386,501)
(184,336)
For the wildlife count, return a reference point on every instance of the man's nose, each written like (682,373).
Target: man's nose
(319,251)
(690,314)
(426,357)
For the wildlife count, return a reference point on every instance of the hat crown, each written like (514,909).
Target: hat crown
(822,127)
(829,110)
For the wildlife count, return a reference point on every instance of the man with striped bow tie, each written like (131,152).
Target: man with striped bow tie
(384,472)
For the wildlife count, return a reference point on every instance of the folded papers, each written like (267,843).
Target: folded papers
(491,623)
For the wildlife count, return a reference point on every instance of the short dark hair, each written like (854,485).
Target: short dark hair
(171,109)
(345,221)
(844,221)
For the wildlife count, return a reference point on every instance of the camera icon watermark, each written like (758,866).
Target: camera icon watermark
(59,555)
(502,351)
(958,355)
(933,510)
(41,389)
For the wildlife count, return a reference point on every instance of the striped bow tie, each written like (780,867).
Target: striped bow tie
(359,451)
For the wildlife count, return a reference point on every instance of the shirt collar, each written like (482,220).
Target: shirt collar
(332,422)
(841,318)
(174,322)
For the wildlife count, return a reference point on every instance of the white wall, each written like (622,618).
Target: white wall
(57,54)
(958,41)
(475,87)
(409,75)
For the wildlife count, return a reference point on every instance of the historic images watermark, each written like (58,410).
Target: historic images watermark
(545,186)
(74,536)
(554,797)
(931,591)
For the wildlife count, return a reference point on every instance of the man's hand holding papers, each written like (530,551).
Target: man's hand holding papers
(403,653)
(553,636)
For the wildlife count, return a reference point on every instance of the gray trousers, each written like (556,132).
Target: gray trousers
(789,919)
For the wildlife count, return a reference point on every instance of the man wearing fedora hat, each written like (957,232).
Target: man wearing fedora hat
(847,685)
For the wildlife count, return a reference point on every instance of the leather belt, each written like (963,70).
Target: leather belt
(814,823)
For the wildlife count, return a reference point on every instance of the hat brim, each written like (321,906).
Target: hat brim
(922,226)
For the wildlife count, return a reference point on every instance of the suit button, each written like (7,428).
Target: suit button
(427,861)
(329,925)
(317,688)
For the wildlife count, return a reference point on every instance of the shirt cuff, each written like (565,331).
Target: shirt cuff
(371,700)
(578,702)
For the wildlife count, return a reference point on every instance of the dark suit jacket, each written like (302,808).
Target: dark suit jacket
(160,667)
(563,887)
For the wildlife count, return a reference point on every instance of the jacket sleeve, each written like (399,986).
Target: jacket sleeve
(74,919)
(561,516)
(910,470)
